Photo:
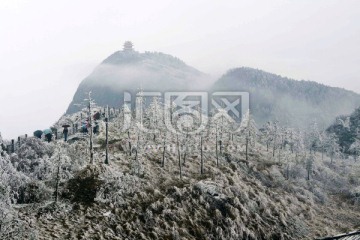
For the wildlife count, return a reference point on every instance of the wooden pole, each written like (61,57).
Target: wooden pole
(247,146)
(216,146)
(220,146)
(106,142)
(185,151)
(201,157)
(91,132)
(57,179)
(129,143)
(12,145)
(163,155)
(178,145)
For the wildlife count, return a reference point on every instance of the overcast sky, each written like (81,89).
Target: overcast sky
(48,47)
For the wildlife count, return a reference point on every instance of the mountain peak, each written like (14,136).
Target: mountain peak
(128,69)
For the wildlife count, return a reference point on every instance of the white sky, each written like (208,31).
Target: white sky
(48,47)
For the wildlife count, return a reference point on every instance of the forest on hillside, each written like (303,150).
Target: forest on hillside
(137,179)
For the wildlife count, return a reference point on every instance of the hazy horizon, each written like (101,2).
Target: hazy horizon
(48,48)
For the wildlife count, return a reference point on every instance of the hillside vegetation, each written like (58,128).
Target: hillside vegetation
(268,184)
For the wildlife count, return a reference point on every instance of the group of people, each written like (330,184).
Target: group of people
(86,125)
(48,133)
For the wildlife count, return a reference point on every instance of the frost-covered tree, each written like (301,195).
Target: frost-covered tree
(33,158)
(249,130)
(155,116)
(322,143)
(267,134)
(126,120)
(309,165)
(11,182)
(355,148)
(313,137)
(275,133)
(332,147)
(299,144)
(166,139)
(222,123)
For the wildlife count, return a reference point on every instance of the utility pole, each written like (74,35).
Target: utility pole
(107,140)
(57,178)
(179,154)
(91,132)
(12,145)
(201,155)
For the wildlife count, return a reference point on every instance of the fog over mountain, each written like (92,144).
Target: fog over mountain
(129,70)
(293,103)
(272,97)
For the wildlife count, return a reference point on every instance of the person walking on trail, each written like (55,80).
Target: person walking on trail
(38,133)
(48,137)
(65,132)
(84,128)
(48,134)
(96,128)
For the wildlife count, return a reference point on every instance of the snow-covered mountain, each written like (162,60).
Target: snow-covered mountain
(293,103)
(272,97)
(129,70)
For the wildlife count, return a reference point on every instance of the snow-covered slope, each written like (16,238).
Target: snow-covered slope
(285,194)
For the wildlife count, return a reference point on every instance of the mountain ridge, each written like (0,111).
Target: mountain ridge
(273,97)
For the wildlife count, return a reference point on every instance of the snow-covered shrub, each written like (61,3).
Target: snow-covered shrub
(116,186)
(276,175)
(319,195)
(297,172)
(10,226)
(33,159)
(11,179)
(34,192)
(32,148)
(355,195)
(75,153)
(38,168)
(10,182)
(85,184)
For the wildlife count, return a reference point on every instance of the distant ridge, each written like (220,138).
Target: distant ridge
(272,97)
(291,102)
